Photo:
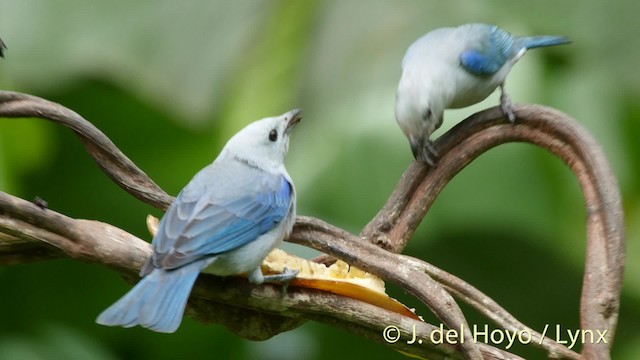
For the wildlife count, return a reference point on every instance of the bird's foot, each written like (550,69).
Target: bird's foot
(282,278)
(429,155)
(507,107)
(423,150)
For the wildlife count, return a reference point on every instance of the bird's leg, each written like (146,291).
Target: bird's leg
(256,277)
(505,104)
(283,278)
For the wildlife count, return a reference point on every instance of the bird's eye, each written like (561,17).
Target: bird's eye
(273,135)
(427,114)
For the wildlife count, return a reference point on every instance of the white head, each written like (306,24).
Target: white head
(264,143)
(418,111)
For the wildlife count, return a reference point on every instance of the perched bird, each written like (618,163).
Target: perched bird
(3,47)
(224,222)
(454,68)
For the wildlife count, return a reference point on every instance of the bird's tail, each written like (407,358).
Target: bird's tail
(530,42)
(157,302)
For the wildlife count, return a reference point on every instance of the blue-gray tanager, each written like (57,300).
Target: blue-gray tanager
(224,222)
(454,68)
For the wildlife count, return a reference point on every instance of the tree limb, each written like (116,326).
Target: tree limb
(264,311)
(108,157)
(33,233)
(568,140)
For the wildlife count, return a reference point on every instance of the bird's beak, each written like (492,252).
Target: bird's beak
(417,145)
(292,117)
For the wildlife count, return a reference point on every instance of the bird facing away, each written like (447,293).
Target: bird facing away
(224,222)
(456,67)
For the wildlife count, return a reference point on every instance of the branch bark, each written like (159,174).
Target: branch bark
(33,233)
(250,311)
(108,157)
(562,136)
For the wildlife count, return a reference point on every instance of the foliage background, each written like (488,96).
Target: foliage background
(170,81)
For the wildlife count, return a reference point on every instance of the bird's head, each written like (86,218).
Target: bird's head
(418,115)
(264,142)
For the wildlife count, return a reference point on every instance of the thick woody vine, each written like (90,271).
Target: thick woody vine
(30,232)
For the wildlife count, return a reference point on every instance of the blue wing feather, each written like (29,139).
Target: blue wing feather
(194,228)
(490,54)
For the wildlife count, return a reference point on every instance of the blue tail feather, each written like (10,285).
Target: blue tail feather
(157,302)
(530,42)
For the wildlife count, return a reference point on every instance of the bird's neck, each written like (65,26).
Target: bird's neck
(263,164)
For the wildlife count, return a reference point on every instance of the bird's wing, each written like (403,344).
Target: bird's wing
(493,48)
(205,221)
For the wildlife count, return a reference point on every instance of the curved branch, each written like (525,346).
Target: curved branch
(390,229)
(264,311)
(336,242)
(567,139)
(492,310)
(108,157)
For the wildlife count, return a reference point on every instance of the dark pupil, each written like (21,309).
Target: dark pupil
(273,135)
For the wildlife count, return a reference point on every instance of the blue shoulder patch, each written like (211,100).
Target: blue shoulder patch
(489,55)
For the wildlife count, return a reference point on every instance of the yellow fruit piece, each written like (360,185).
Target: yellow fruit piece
(278,259)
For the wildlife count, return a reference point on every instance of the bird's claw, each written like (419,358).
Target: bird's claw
(429,155)
(282,278)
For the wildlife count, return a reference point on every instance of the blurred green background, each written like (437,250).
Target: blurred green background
(170,81)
